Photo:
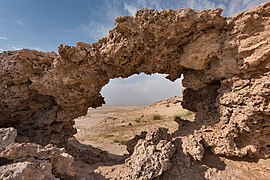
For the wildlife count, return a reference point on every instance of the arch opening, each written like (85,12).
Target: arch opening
(140,89)
(133,106)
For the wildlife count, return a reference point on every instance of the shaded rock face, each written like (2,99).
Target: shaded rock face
(37,117)
(7,136)
(225,63)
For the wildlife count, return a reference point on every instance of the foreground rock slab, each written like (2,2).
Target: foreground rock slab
(151,156)
(32,161)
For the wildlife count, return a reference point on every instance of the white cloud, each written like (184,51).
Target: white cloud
(140,89)
(100,23)
(3,38)
(37,48)
(14,48)
(134,6)
(231,7)
(95,30)
(11,48)
(247,4)
(130,9)
(20,22)
(26,47)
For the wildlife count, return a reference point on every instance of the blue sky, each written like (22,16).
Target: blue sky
(44,24)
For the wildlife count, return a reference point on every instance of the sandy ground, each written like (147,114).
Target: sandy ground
(110,127)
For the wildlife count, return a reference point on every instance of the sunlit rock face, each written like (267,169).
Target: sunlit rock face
(225,63)
(31,160)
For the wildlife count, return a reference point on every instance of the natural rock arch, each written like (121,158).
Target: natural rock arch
(225,62)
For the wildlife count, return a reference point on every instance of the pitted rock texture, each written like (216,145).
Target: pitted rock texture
(151,156)
(27,170)
(37,117)
(187,158)
(33,161)
(7,136)
(225,63)
(132,142)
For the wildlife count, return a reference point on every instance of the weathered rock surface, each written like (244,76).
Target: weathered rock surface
(33,114)
(62,165)
(42,93)
(27,170)
(86,153)
(32,161)
(151,156)
(7,136)
(133,142)
(225,63)
(188,159)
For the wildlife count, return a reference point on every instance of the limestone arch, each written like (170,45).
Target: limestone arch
(44,92)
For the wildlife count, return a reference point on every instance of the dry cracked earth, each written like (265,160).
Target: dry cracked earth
(225,62)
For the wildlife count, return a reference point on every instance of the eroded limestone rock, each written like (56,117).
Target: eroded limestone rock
(27,170)
(225,63)
(32,161)
(62,165)
(132,143)
(193,146)
(151,156)
(46,92)
(7,136)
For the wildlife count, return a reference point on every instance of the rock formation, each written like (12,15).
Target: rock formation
(225,63)
(32,161)
(151,156)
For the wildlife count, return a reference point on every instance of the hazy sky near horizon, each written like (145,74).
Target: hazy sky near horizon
(43,25)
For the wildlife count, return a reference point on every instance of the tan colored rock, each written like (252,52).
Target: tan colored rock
(27,170)
(202,45)
(62,165)
(193,146)
(55,90)
(151,156)
(244,121)
(224,61)
(7,136)
(32,161)
(22,150)
(132,143)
